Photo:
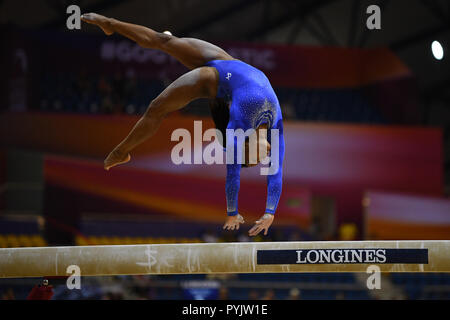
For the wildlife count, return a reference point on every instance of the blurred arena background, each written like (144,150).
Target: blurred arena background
(367,139)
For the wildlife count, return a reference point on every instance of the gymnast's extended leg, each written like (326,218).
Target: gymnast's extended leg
(198,83)
(201,82)
(192,53)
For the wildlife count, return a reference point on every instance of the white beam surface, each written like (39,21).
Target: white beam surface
(242,257)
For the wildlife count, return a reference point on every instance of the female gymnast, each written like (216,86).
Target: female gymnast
(241,98)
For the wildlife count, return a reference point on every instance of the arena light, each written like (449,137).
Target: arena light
(438,50)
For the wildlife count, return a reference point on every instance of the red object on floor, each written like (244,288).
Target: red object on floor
(41,292)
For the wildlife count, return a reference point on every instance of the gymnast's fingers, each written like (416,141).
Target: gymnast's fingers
(254,231)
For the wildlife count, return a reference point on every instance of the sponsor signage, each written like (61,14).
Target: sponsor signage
(343,256)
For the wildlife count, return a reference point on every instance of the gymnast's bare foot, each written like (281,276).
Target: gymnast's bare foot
(115,158)
(99,20)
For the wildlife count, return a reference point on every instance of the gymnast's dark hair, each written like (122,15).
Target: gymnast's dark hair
(220,113)
(221,116)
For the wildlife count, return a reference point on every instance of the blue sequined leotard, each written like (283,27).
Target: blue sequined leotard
(253,102)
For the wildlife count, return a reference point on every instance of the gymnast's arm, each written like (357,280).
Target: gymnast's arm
(232,185)
(275,181)
(233,167)
(232,188)
(234,219)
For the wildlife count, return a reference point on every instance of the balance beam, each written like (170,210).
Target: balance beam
(242,257)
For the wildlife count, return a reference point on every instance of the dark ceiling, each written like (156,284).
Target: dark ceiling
(408,26)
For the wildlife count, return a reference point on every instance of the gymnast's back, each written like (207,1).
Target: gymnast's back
(253,101)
